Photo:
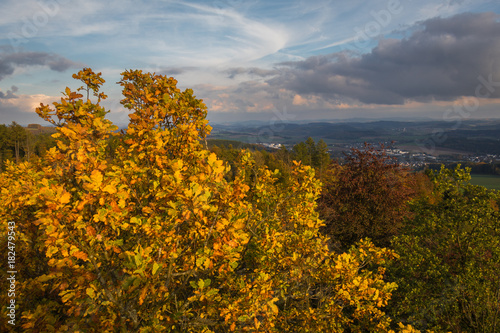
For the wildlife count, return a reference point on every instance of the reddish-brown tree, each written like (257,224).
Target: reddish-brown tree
(366,197)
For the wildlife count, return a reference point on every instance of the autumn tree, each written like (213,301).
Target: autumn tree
(150,236)
(449,270)
(366,197)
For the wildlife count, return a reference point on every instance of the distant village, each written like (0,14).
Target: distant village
(412,159)
(415,159)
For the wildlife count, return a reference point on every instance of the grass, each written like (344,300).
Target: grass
(489,181)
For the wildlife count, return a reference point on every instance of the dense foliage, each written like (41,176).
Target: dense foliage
(366,197)
(449,270)
(142,230)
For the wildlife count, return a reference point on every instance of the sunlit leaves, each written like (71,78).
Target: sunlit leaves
(141,231)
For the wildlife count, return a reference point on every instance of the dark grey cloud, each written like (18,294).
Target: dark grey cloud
(171,71)
(19,114)
(10,93)
(10,60)
(233,72)
(443,59)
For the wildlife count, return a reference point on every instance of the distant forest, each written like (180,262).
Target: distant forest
(23,143)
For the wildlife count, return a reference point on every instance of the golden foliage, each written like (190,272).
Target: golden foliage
(148,236)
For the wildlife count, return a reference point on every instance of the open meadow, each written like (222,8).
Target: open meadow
(491,182)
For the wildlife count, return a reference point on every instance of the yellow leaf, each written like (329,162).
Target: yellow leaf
(67,296)
(256,323)
(61,145)
(96,178)
(212,158)
(51,250)
(273,306)
(155,268)
(110,189)
(45,278)
(65,198)
(90,292)
(121,203)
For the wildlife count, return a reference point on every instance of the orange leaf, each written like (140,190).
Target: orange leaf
(80,255)
(65,198)
(91,231)
(143,295)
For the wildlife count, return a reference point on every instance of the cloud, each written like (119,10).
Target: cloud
(9,61)
(22,108)
(443,59)
(10,93)
(170,71)
(233,72)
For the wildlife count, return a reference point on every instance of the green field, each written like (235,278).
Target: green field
(489,181)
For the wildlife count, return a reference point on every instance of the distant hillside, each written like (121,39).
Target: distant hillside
(232,143)
(39,129)
(472,136)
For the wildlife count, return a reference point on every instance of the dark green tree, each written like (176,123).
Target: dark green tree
(449,270)
(302,153)
(321,158)
(18,138)
(6,151)
(315,155)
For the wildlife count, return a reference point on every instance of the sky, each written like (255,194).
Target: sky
(266,60)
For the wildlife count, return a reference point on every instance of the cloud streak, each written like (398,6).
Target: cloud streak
(253,71)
